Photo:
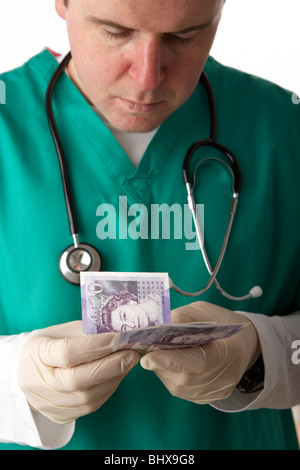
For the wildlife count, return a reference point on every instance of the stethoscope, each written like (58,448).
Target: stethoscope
(81,257)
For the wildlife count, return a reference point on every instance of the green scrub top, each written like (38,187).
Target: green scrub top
(260,124)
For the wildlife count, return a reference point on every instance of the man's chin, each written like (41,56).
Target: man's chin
(127,120)
(137,123)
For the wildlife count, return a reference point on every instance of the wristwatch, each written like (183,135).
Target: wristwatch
(253,379)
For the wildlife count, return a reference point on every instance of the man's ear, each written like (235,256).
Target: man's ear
(60,6)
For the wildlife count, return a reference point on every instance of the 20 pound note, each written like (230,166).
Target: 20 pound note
(113,301)
(137,307)
(185,335)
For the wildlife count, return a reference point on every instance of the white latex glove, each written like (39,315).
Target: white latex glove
(212,371)
(65,374)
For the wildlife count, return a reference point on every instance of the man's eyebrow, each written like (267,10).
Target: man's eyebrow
(113,24)
(197,27)
(99,21)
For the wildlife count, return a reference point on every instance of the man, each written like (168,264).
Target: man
(136,66)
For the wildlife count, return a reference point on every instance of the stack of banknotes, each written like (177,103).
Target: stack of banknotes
(136,306)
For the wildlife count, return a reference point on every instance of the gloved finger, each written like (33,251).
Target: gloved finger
(196,392)
(187,360)
(68,352)
(190,380)
(202,311)
(72,406)
(77,399)
(71,329)
(87,375)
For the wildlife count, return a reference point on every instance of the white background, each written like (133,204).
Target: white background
(258,36)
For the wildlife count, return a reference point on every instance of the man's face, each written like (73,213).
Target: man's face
(137,61)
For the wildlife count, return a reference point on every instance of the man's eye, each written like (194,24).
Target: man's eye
(184,38)
(116,33)
(179,39)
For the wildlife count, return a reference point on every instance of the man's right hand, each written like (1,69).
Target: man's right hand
(65,374)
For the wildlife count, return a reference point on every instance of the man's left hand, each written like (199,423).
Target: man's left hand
(209,372)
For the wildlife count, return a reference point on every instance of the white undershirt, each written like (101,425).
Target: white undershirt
(133,143)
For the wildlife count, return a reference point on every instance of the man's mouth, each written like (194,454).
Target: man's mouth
(139,107)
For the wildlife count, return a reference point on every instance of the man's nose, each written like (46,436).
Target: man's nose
(146,66)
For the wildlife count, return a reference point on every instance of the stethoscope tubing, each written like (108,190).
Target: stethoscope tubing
(69,273)
(59,149)
(73,276)
(237,183)
(237,180)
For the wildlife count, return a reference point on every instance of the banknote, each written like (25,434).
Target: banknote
(186,335)
(114,301)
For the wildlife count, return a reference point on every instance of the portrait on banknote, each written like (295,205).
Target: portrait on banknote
(186,335)
(124,301)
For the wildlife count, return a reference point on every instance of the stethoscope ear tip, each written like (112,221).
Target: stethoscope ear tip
(256,291)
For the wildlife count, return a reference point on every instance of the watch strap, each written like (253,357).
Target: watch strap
(253,379)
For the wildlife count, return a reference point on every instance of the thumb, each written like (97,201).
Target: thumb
(67,348)
(191,313)
(201,312)
(71,329)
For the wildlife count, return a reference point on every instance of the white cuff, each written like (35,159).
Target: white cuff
(18,423)
(281,385)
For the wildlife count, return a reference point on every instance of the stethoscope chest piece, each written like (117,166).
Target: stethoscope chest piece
(76,259)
